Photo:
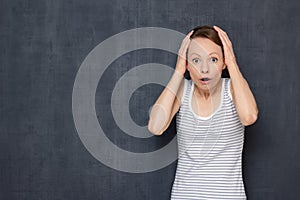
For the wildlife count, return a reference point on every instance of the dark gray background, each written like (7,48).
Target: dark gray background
(43,44)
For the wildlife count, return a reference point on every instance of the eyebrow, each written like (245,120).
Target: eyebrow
(208,54)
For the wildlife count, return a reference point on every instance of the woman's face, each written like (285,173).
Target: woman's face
(205,60)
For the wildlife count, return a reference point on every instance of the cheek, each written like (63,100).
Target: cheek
(216,71)
(190,67)
(193,66)
(219,67)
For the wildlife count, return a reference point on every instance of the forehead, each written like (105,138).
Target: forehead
(204,46)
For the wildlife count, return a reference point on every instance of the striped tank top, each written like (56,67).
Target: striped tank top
(209,150)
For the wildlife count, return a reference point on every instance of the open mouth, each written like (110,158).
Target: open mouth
(204,79)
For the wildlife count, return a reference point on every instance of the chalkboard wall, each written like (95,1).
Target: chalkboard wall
(44,43)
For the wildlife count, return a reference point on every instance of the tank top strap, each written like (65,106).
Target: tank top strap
(186,90)
(227,88)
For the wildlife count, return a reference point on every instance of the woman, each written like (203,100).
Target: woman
(211,115)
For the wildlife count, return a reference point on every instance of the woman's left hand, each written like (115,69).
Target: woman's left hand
(245,103)
(227,46)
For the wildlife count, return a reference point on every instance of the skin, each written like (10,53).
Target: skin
(205,59)
(206,98)
(243,98)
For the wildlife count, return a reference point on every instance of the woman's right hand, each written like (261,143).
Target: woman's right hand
(181,59)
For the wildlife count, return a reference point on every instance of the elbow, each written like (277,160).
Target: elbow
(250,119)
(153,130)
(158,122)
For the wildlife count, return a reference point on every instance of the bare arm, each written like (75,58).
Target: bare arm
(168,103)
(242,96)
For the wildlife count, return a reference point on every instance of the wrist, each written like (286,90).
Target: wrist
(232,66)
(180,70)
(178,73)
(175,82)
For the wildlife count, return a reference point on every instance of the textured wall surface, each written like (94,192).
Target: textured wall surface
(43,44)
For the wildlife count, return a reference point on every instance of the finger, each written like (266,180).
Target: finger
(227,45)
(185,43)
(190,33)
(220,31)
(187,37)
(227,48)
(217,28)
(183,49)
(222,38)
(187,40)
(225,36)
(225,41)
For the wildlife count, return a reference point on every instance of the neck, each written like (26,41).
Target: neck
(207,94)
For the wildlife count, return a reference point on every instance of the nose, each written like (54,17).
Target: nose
(204,68)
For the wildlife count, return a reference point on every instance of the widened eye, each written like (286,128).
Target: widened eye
(196,60)
(214,59)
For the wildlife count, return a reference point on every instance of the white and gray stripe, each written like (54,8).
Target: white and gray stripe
(210,150)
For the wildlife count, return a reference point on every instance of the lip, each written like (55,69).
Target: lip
(205,82)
